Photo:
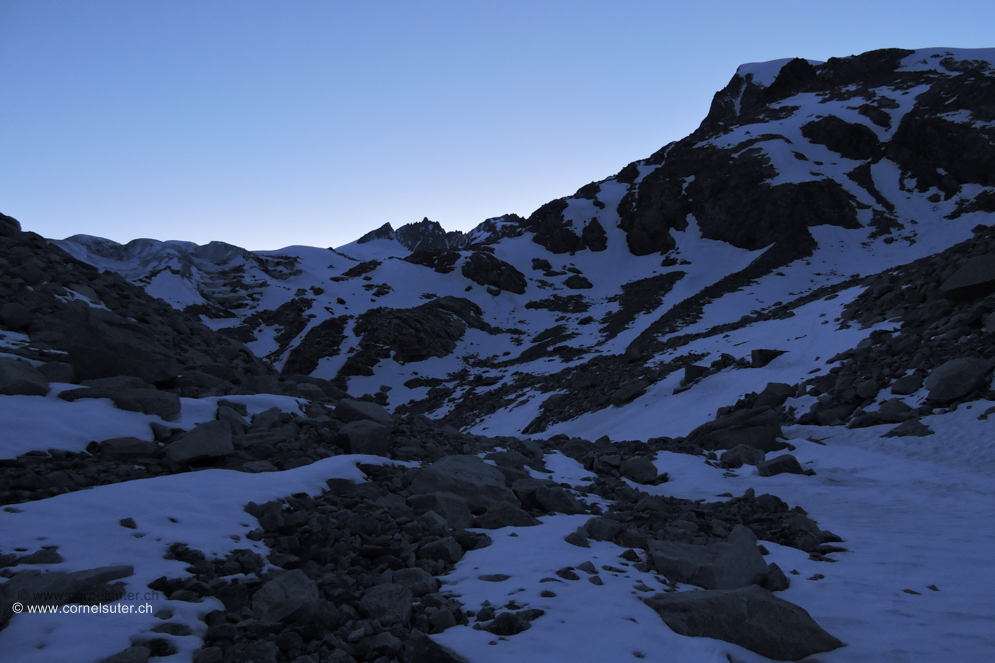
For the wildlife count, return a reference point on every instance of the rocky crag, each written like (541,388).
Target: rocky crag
(814,265)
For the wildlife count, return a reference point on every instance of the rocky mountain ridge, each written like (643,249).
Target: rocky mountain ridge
(667,417)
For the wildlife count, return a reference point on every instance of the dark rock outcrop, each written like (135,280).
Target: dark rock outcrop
(750,617)
(484,269)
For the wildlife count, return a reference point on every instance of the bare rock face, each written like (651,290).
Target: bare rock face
(750,617)
(484,269)
(412,334)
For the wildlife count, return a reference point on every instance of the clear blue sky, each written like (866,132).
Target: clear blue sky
(272,123)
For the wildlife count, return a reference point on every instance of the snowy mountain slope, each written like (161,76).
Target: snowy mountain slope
(777,328)
(827,170)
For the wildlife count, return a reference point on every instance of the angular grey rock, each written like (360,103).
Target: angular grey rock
(774,394)
(525,490)
(418,580)
(128,448)
(349,410)
(267,418)
(312,392)
(285,596)
(910,428)
(775,581)
(603,529)
(366,437)
(390,603)
(956,378)
(557,500)
(761,357)
(764,438)
(639,469)
(504,514)
(741,455)
(785,463)
(234,419)
(444,550)
(866,389)
(692,372)
(975,278)
(577,282)
(469,477)
(19,378)
(750,617)
(893,407)
(719,565)
(208,440)
(450,506)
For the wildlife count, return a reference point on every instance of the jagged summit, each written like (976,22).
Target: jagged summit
(424,235)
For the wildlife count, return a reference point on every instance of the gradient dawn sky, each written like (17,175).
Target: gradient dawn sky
(265,124)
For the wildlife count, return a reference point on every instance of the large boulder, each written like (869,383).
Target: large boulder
(719,565)
(761,357)
(19,378)
(130,394)
(783,464)
(504,514)
(750,617)
(757,427)
(451,507)
(480,484)
(639,469)
(774,395)
(103,344)
(365,437)
(285,596)
(206,441)
(956,378)
(349,410)
(390,603)
(976,278)
(741,455)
